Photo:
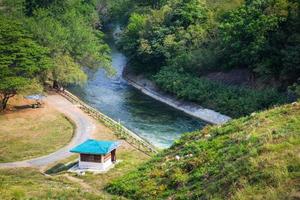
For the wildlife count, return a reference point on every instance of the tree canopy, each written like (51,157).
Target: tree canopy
(22,60)
(189,39)
(49,40)
(260,35)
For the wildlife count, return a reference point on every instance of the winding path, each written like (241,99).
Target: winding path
(84,127)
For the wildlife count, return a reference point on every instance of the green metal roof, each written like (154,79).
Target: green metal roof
(96,147)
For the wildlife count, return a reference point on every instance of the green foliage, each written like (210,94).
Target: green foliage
(120,10)
(22,61)
(231,100)
(56,40)
(12,8)
(295,89)
(199,37)
(69,29)
(61,31)
(252,36)
(254,157)
(117,10)
(152,39)
(66,71)
(32,5)
(247,36)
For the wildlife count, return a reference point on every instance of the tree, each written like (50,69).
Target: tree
(66,71)
(22,61)
(12,7)
(71,39)
(31,5)
(263,36)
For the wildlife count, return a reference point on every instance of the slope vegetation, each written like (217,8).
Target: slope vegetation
(254,157)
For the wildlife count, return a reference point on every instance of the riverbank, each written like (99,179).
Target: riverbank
(149,88)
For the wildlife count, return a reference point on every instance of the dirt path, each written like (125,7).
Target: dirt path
(85,126)
(81,182)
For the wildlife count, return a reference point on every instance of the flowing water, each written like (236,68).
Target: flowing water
(150,119)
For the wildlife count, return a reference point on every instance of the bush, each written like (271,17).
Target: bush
(231,100)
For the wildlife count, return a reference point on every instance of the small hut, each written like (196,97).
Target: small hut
(96,154)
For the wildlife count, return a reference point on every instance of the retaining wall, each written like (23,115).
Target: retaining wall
(149,88)
(118,129)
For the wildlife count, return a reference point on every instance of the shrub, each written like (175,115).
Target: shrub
(231,100)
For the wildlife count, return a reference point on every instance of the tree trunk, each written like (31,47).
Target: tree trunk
(4,102)
(55,84)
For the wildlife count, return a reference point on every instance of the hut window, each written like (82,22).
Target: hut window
(90,158)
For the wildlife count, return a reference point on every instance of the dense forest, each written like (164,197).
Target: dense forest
(180,44)
(236,57)
(48,41)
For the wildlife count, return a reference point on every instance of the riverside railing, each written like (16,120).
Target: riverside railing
(119,130)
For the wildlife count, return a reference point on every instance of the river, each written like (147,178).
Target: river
(150,119)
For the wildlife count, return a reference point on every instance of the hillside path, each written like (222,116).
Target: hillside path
(85,126)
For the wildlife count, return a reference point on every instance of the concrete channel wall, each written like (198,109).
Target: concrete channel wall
(149,88)
(119,130)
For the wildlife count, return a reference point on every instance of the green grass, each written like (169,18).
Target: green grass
(255,157)
(130,160)
(26,135)
(27,183)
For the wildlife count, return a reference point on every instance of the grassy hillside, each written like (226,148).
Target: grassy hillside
(255,157)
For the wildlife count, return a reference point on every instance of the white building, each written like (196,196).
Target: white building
(96,155)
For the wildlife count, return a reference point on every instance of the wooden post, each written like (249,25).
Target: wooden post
(113,155)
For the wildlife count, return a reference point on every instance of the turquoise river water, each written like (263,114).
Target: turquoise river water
(150,119)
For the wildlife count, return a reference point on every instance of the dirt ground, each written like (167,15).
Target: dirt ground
(27,133)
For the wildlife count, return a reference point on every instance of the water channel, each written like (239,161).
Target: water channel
(151,119)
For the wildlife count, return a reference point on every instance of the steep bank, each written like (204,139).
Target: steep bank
(254,157)
(149,88)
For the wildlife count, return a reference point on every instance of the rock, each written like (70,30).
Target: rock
(81,173)
(188,155)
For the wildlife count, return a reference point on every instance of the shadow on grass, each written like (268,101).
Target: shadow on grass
(60,167)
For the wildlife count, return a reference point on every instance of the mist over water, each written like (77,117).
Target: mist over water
(151,119)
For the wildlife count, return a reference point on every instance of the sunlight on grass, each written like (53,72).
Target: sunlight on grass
(32,133)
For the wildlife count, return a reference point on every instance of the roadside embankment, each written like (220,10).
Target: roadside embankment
(118,129)
(149,88)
